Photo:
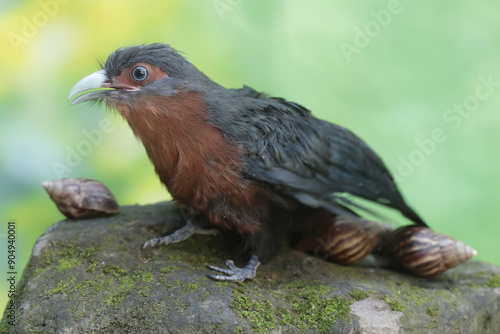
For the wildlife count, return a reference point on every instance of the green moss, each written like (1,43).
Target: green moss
(68,263)
(5,327)
(126,285)
(163,280)
(301,305)
(238,330)
(72,251)
(433,311)
(103,284)
(314,308)
(38,271)
(68,256)
(92,285)
(334,308)
(222,284)
(91,268)
(493,282)
(123,247)
(122,324)
(285,315)
(113,270)
(433,324)
(414,298)
(195,251)
(147,277)
(173,284)
(189,287)
(394,304)
(358,294)
(411,296)
(258,311)
(62,287)
(115,283)
(48,256)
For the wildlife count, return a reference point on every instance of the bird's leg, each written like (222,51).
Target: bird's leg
(191,227)
(235,274)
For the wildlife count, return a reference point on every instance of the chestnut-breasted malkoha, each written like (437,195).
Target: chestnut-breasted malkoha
(257,165)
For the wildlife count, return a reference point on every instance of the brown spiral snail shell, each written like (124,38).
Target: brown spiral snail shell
(81,197)
(343,240)
(427,253)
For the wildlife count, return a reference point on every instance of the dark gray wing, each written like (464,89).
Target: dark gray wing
(310,159)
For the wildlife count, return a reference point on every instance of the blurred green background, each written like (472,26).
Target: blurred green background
(393,72)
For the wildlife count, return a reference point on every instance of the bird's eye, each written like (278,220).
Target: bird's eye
(140,73)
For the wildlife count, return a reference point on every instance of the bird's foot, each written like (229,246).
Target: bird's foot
(235,274)
(179,235)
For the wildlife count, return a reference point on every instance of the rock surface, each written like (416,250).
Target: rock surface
(89,276)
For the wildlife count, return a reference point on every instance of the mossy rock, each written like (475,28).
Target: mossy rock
(89,276)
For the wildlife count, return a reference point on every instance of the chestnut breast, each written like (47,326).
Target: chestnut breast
(190,155)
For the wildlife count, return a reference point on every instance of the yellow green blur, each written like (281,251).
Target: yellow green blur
(394,72)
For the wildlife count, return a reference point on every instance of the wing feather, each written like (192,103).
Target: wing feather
(308,158)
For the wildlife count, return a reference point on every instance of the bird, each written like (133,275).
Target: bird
(237,159)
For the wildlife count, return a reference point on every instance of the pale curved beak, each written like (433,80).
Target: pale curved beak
(96,80)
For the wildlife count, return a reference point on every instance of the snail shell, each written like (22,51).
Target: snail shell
(343,240)
(427,253)
(81,197)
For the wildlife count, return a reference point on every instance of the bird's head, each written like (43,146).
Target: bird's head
(145,70)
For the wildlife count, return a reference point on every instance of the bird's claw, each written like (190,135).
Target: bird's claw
(179,235)
(230,272)
(151,243)
(235,274)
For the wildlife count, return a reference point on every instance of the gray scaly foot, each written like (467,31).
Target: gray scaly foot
(235,274)
(181,234)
